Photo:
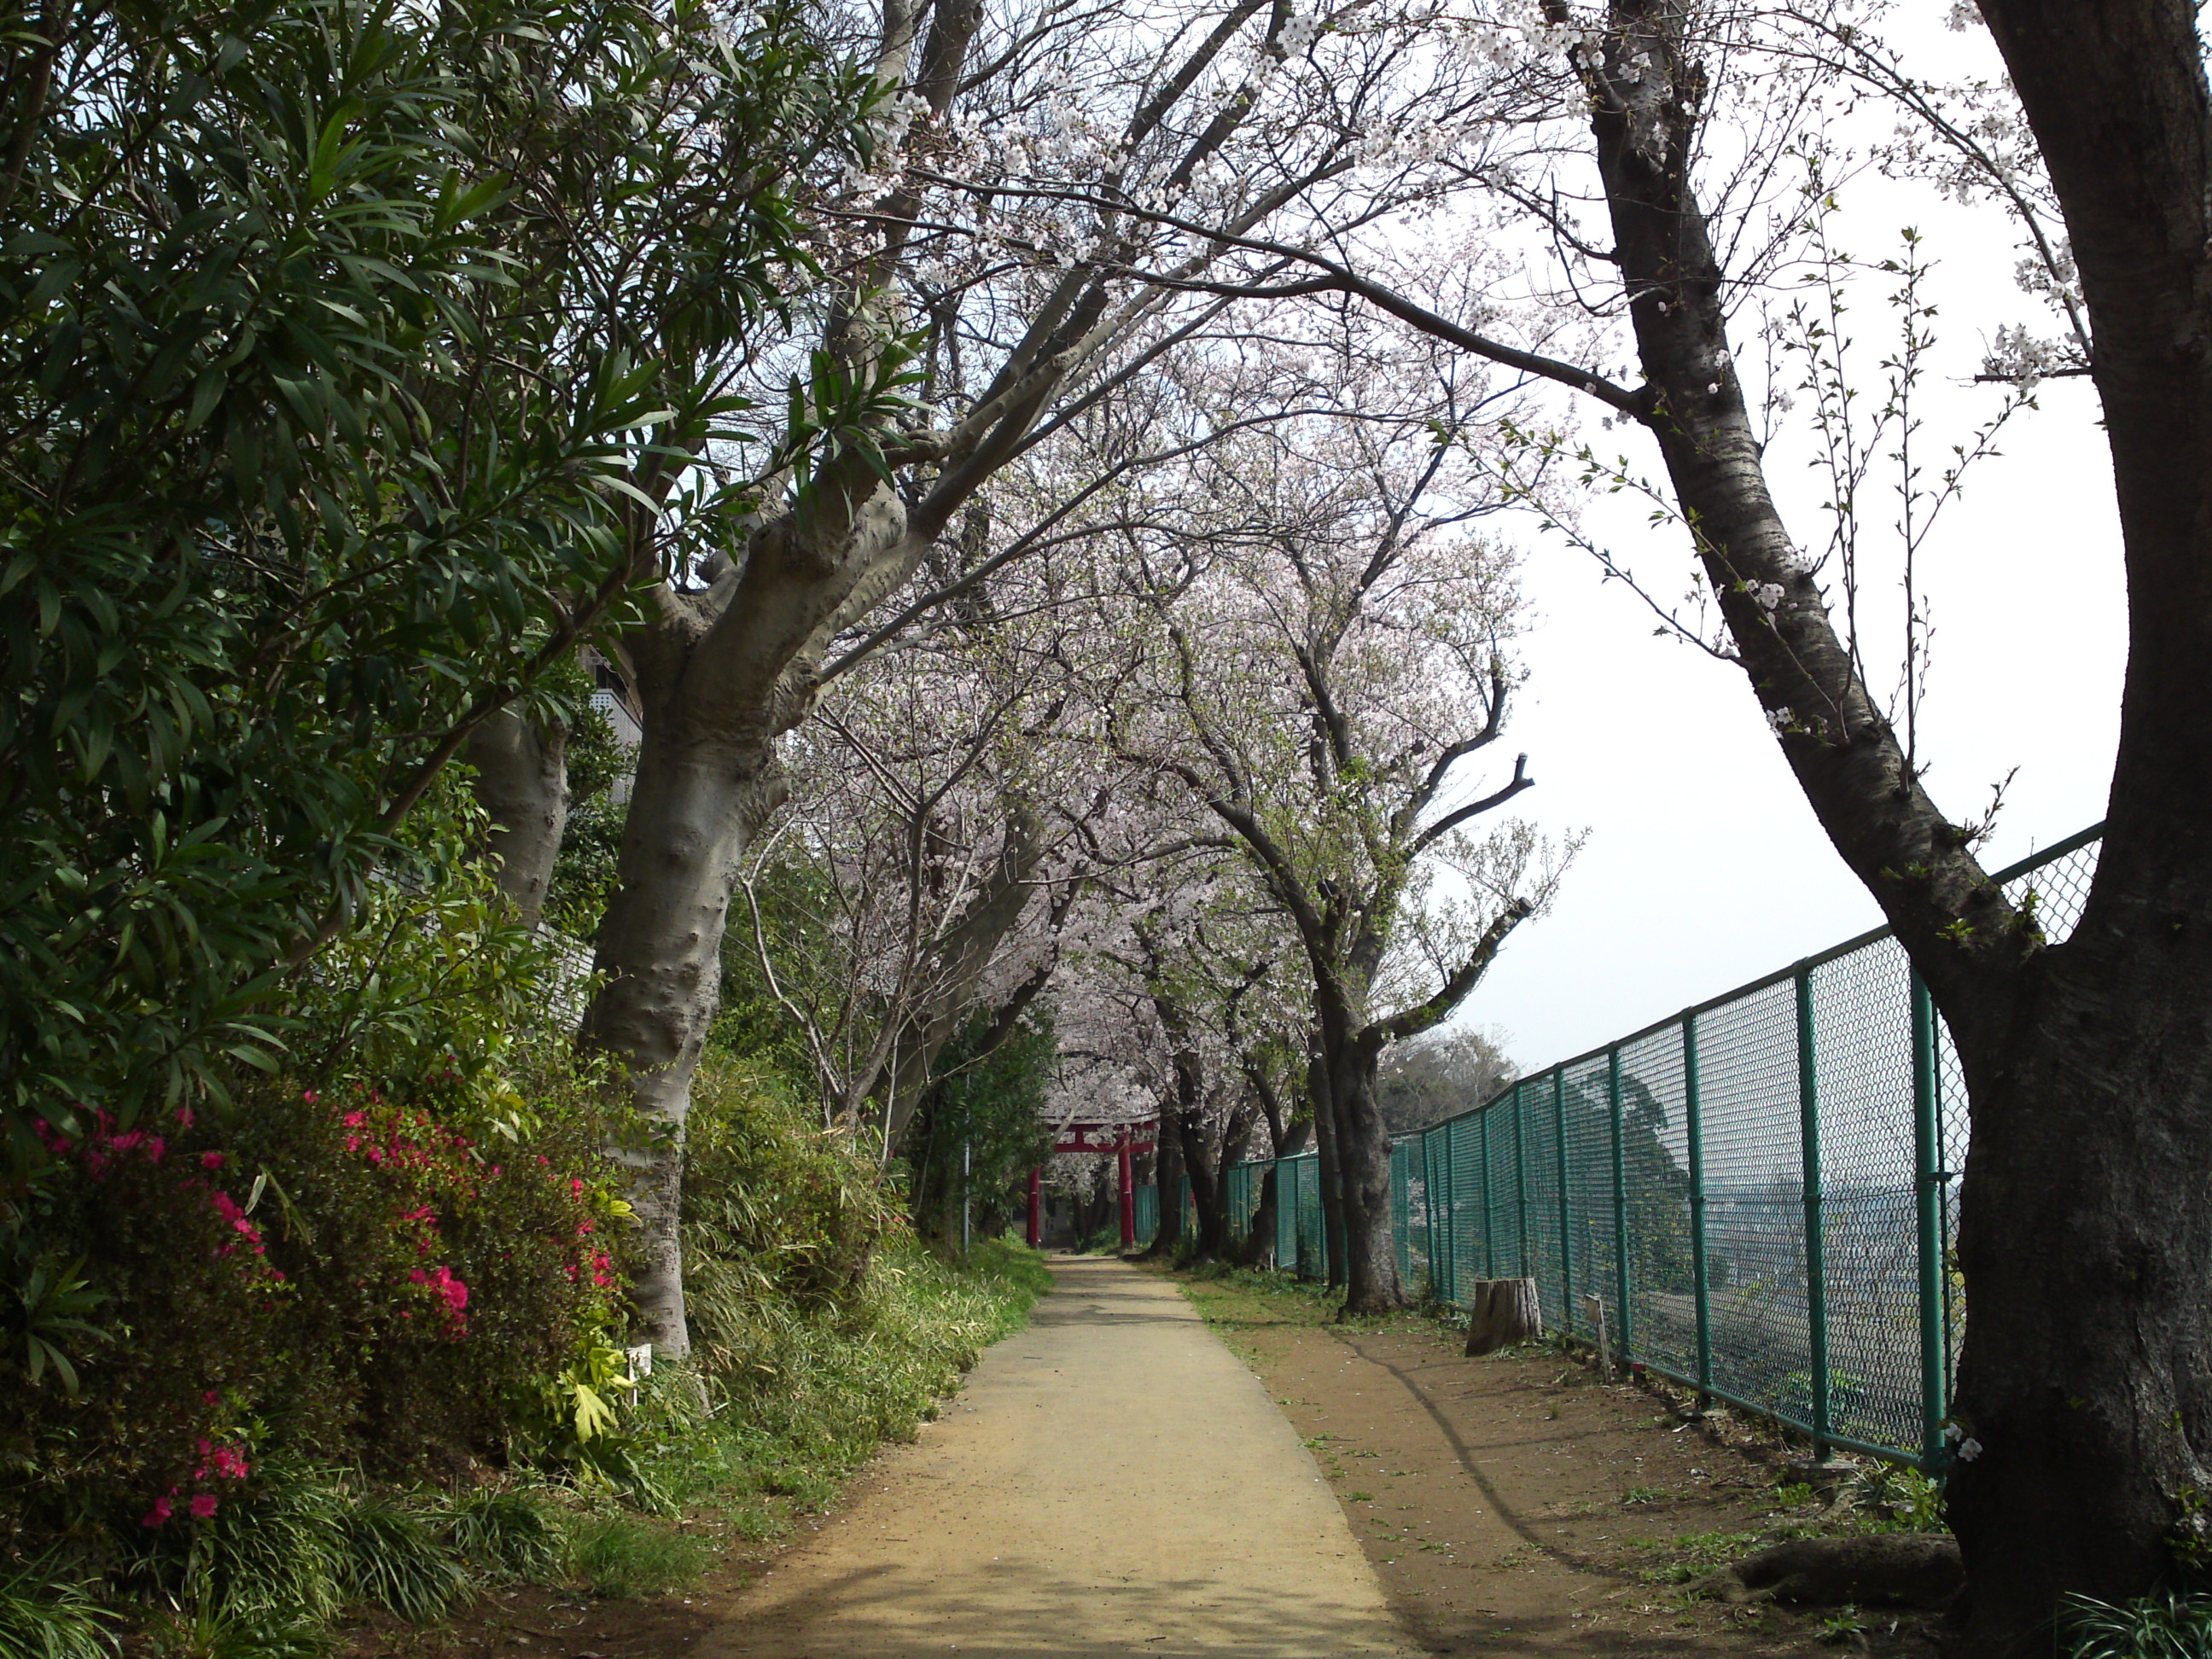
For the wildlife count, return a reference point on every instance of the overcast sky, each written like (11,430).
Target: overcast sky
(1704,868)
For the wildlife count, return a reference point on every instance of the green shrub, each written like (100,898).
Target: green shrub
(383,1262)
(774,1204)
(210,1633)
(280,1549)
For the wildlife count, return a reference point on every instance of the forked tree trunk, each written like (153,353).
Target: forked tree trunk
(694,807)
(959,960)
(2084,1389)
(522,784)
(1167,1179)
(1202,1168)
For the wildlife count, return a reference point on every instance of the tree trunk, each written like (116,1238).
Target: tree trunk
(2087,1210)
(522,783)
(1501,1312)
(1258,1249)
(2086,1222)
(1363,1156)
(1167,1181)
(1202,1169)
(694,807)
(1331,1175)
(959,961)
(2085,1391)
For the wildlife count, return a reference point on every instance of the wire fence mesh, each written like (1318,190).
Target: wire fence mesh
(1756,1198)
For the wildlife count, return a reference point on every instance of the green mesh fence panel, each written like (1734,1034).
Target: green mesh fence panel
(1468,1184)
(1592,1257)
(1309,1258)
(1501,1207)
(1436,1204)
(1541,1197)
(1234,1180)
(1663,1304)
(1412,1242)
(1147,1213)
(1755,1211)
(1801,1138)
(1784,1136)
(1863,1016)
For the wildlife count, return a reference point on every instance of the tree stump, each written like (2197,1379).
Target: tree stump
(1501,1312)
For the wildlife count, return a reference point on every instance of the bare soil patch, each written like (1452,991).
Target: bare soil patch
(1519,1505)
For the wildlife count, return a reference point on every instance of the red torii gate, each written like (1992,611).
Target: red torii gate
(1125,1140)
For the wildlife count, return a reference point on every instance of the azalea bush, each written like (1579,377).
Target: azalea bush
(385,1258)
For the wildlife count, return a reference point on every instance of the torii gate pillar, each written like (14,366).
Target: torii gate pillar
(1128,1199)
(1036,1207)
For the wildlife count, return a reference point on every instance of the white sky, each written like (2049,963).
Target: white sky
(1704,868)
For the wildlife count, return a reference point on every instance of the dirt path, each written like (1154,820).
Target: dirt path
(1517,1508)
(1111,1481)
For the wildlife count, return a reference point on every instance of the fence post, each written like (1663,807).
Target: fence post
(1621,1322)
(1401,1210)
(1816,1253)
(1694,1124)
(1521,1177)
(1489,1221)
(1566,1242)
(1448,1289)
(1927,1199)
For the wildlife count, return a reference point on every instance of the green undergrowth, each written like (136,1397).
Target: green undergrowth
(2175,1625)
(797,1383)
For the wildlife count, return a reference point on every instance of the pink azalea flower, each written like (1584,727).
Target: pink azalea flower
(157,1515)
(203,1506)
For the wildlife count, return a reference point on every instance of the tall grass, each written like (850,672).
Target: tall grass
(48,1614)
(2172,1626)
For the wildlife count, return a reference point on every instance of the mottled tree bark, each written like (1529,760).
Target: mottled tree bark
(1328,1170)
(719,677)
(522,783)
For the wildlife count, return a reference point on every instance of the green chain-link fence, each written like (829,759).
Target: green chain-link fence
(1758,1195)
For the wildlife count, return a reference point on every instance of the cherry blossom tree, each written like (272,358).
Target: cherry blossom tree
(992,280)
(1654,183)
(1329,651)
